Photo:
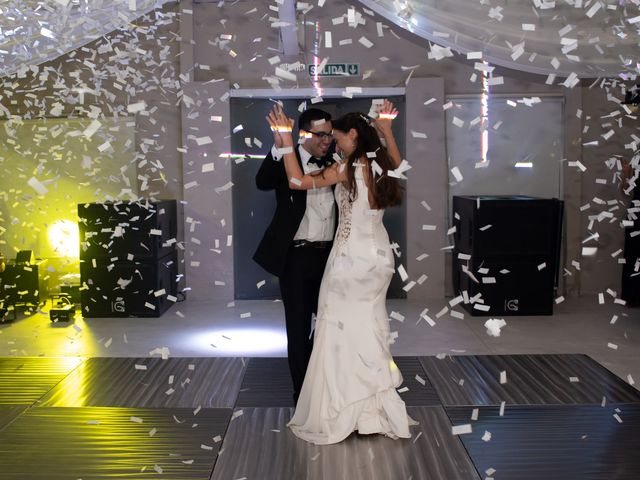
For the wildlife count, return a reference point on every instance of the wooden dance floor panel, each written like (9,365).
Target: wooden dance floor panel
(267,383)
(530,380)
(23,380)
(150,382)
(264,449)
(9,412)
(554,441)
(563,417)
(111,442)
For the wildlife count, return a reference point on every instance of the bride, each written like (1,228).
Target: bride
(351,380)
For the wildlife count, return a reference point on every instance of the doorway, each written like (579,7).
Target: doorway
(253,209)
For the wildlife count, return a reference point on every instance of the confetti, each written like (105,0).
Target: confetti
(364,41)
(415,134)
(461,429)
(37,186)
(136,107)
(455,171)
(494,325)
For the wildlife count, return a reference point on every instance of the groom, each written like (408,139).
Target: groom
(296,245)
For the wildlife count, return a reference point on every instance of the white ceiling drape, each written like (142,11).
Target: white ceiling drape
(33,32)
(583,38)
(568,38)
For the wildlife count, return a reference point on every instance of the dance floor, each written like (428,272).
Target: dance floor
(529,416)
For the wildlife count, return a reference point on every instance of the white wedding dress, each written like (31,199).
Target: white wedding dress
(351,379)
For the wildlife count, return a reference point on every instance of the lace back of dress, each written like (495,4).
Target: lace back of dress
(346,204)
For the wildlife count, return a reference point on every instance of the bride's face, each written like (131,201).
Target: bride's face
(345,142)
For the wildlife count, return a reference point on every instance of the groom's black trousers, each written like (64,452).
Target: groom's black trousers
(299,286)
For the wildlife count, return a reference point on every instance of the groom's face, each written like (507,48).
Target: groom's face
(317,138)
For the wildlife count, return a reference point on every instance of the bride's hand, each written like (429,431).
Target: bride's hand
(385,117)
(281,126)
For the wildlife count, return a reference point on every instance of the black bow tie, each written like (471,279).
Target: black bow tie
(316,161)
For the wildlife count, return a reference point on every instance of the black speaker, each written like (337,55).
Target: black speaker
(21,284)
(121,229)
(506,225)
(509,286)
(518,240)
(123,289)
(25,257)
(631,268)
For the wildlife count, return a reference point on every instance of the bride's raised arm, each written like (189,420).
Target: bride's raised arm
(383,125)
(279,122)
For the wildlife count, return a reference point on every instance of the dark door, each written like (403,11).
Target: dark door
(253,209)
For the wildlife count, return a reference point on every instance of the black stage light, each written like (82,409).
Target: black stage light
(632,98)
(25,256)
(63,311)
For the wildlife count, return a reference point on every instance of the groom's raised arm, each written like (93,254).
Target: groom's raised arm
(272,172)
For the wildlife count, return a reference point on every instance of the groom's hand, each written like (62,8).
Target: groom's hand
(272,121)
(282,126)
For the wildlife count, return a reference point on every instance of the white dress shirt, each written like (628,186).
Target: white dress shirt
(319,217)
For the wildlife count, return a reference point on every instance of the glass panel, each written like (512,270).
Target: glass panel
(505,149)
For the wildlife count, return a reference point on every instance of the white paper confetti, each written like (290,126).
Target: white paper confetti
(461,429)
(37,186)
(493,326)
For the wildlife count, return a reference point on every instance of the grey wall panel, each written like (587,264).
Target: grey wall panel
(208,219)
(427,183)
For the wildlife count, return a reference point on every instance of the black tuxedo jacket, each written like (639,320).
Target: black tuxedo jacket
(290,207)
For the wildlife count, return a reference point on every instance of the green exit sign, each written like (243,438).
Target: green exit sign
(335,70)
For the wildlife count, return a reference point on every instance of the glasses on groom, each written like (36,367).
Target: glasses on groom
(322,136)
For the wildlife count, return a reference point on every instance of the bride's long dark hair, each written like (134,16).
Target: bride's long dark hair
(387,190)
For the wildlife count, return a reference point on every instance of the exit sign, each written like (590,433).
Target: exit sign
(335,70)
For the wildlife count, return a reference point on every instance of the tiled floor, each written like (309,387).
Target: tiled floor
(94,399)
(564,417)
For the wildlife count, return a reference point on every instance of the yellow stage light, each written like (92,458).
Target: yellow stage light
(64,238)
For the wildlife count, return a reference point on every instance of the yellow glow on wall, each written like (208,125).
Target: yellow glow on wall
(64,238)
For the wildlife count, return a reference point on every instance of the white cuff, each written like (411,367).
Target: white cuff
(275,153)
